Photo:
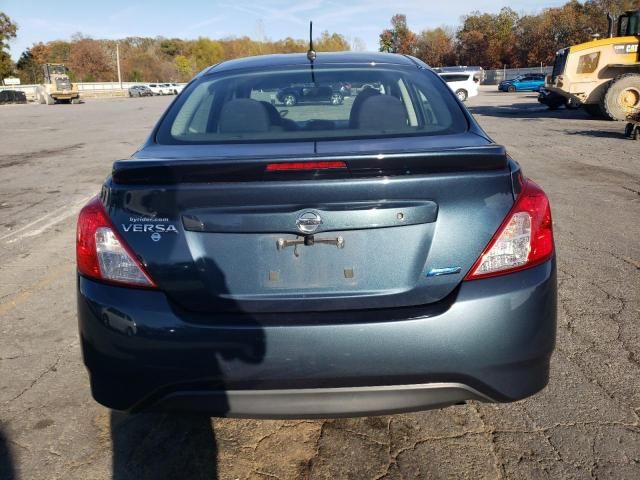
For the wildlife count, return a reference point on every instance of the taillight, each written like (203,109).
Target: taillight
(292,166)
(102,254)
(524,239)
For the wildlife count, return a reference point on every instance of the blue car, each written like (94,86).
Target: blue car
(377,256)
(530,82)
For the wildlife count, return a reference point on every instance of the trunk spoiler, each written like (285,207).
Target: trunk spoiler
(207,170)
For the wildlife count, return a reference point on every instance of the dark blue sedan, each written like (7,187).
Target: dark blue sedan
(530,82)
(381,255)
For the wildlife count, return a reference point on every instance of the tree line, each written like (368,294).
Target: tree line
(144,59)
(505,39)
(490,40)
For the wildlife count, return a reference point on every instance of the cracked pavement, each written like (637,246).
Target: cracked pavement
(584,425)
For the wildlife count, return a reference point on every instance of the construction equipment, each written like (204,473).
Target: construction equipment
(57,87)
(602,75)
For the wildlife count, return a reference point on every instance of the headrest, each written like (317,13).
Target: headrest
(243,115)
(382,112)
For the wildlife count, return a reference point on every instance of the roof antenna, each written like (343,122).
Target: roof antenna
(311,53)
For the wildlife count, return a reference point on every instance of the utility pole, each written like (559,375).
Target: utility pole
(118,63)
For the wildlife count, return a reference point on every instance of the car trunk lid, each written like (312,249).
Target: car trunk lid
(382,231)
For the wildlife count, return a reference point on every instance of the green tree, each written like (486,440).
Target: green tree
(171,47)
(206,52)
(386,41)
(184,67)
(59,51)
(29,70)
(8,31)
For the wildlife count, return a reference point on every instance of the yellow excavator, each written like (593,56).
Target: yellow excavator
(602,75)
(57,87)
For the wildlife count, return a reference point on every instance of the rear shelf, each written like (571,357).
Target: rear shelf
(359,238)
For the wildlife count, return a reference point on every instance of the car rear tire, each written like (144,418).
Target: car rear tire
(553,101)
(289,99)
(462,95)
(628,130)
(572,104)
(336,99)
(622,97)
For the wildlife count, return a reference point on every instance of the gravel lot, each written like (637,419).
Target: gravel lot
(584,425)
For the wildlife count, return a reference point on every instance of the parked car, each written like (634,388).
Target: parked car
(12,96)
(311,93)
(464,84)
(176,88)
(531,81)
(380,257)
(118,321)
(160,88)
(140,91)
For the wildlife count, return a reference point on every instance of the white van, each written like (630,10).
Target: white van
(464,84)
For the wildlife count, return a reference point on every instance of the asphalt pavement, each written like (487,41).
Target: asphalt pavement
(584,425)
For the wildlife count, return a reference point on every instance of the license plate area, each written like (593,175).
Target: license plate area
(323,261)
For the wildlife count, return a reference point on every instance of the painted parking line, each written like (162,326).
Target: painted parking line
(43,223)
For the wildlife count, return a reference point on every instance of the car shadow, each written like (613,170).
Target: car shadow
(599,134)
(529,111)
(163,446)
(175,439)
(7,469)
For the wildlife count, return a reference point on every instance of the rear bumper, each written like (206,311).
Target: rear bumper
(492,342)
(65,96)
(321,402)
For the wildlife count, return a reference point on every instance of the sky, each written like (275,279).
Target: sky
(40,20)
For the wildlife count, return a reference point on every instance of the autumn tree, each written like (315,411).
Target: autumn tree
(331,43)
(399,38)
(533,44)
(488,39)
(436,47)
(89,61)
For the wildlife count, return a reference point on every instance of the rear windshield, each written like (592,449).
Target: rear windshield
(301,103)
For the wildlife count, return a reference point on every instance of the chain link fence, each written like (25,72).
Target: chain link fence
(494,77)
